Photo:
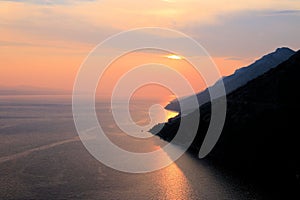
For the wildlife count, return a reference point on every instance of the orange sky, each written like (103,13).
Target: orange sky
(43,43)
(54,67)
(125,63)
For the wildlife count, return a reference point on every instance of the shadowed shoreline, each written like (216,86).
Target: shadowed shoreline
(259,139)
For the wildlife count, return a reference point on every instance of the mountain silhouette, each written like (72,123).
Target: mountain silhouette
(260,135)
(238,79)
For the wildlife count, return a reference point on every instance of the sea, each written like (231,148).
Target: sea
(42,157)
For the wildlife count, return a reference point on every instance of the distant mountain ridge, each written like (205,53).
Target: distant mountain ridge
(239,78)
(31,90)
(259,137)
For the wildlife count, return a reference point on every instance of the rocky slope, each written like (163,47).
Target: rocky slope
(240,77)
(261,131)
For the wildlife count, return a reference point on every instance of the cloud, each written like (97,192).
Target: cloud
(38,45)
(234,58)
(248,33)
(284,12)
(233,31)
(9,43)
(30,24)
(49,2)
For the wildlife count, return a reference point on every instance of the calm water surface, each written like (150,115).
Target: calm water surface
(41,157)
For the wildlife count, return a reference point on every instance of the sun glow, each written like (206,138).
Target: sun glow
(174,57)
(170,114)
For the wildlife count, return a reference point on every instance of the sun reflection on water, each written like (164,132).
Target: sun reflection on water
(174,183)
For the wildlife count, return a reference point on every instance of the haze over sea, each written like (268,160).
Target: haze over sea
(41,157)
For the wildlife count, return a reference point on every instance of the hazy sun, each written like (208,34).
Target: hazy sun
(174,57)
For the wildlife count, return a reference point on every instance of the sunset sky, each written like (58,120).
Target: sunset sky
(43,43)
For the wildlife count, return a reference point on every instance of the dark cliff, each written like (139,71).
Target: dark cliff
(260,135)
(240,77)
